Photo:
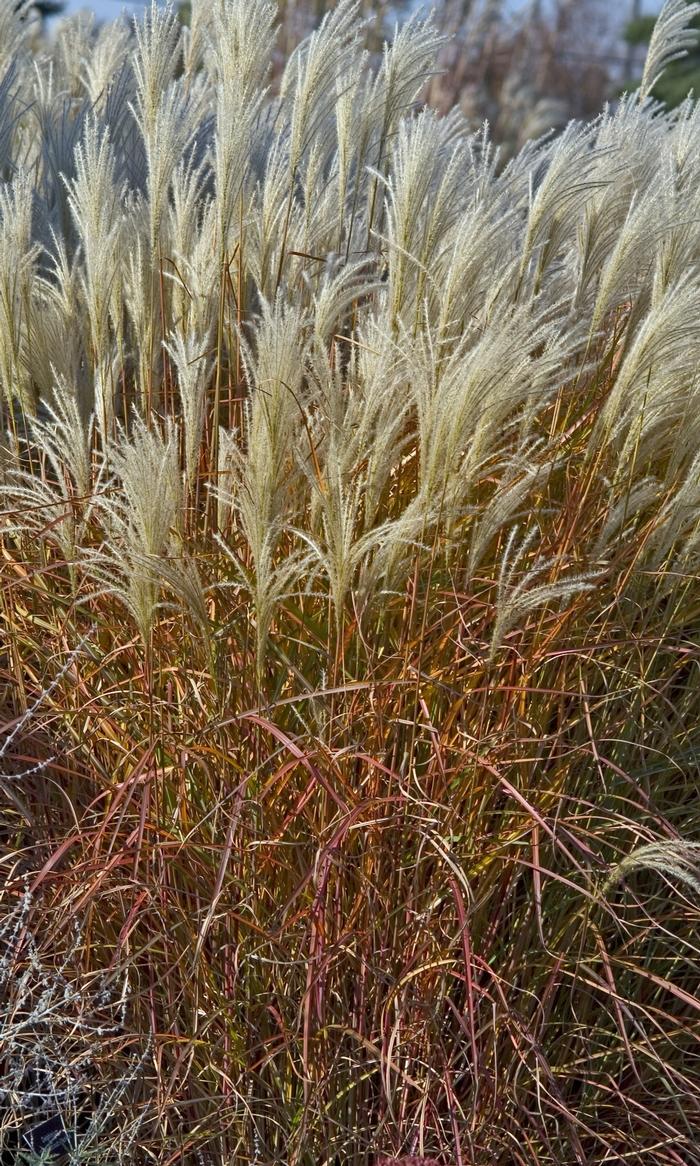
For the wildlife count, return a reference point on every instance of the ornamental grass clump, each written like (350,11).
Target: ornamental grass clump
(350,536)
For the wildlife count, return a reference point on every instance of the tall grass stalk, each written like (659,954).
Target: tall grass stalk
(350,521)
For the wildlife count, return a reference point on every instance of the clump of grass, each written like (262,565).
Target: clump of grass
(350,544)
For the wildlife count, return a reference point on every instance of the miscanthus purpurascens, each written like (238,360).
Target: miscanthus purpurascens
(369,468)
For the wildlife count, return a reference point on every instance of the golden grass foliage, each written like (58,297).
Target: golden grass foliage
(350,523)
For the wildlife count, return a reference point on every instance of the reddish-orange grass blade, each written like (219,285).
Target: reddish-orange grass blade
(407,1160)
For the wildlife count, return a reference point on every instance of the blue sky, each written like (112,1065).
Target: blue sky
(104,9)
(109,9)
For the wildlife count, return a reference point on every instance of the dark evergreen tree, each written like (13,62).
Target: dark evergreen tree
(47,7)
